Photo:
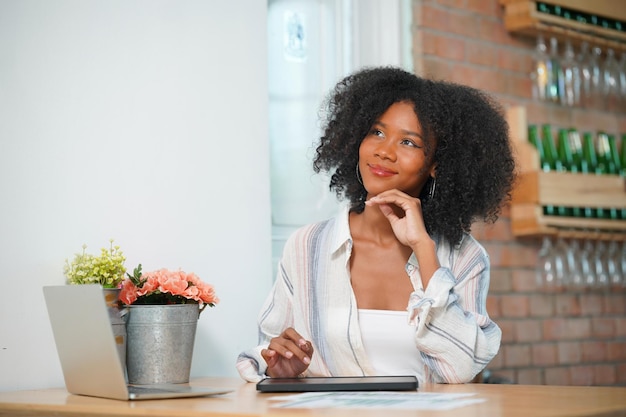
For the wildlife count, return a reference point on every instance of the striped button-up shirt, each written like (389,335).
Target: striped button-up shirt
(312,293)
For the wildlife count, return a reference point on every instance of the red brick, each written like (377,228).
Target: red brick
(487,8)
(593,351)
(498,361)
(605,374)
(620,326)
(500,281)
(519,85)
(615,303)
(514,305)
(591,304)
(544,354)
(616,351)
(453,4)
(567,305)
(569,353)
(450,48)
(493,306)
(500,231)
(511,255)
(519,62)
(530,377)
(566,329)
(494,32)
(524,280)
(433,17)
(516,356)
(480,54)
(557,376)
(541,305)
(621,374)
(467,25)
(582,375)
(508,330)
(527,331)
(603,327)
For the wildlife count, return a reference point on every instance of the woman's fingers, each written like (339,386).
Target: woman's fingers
(288,354)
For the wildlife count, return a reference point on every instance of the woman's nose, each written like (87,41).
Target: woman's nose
(385,150)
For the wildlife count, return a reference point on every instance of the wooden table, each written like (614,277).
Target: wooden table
(501,400)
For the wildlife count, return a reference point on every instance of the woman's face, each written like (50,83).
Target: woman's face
(392,154)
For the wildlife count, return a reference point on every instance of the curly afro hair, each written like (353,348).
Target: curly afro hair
(465,134)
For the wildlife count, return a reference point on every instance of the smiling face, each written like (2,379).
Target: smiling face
(392,154)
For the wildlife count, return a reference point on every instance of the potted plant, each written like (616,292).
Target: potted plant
(163,310)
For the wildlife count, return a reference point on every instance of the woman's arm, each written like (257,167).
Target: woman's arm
(274,318)
(454,334)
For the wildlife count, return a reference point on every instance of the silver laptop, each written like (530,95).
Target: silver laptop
(88,353)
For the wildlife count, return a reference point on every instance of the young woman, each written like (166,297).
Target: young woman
(395,284)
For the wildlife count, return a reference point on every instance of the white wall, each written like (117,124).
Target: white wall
(142,121)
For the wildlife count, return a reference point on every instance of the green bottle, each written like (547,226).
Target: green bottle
(606,164)
(614,155)
(591,164)
(576,146)
(615,167)
(564,154)
(533,139)
(549,150)
(549,160)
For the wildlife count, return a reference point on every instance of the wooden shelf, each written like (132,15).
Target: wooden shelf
(522,17)
(536,189)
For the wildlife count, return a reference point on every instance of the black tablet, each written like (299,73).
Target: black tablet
(338,383)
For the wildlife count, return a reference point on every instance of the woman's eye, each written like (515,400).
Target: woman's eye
(409,142)
(376,132)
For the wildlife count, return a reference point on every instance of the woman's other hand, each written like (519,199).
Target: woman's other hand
(409,227)
(287,355)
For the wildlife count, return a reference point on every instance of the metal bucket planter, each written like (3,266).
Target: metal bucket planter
(160,341)
(116,316)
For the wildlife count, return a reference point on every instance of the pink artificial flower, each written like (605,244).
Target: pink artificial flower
(163,281)
(128,293)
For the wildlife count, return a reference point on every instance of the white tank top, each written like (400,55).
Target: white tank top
(390,343)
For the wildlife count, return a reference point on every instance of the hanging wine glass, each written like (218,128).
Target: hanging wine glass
(610,80)
(545,274)
(559,256)
(599,262)
(585,65)
(612,264)
(622,82)
(539,72)
(588,267)
(570,77)
(576,264)
(596,77)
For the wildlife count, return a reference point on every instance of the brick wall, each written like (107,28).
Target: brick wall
(570,338)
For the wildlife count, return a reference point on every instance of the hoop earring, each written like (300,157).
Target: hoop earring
(358,174)
(431,191)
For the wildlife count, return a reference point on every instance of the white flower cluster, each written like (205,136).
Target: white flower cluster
(107,269)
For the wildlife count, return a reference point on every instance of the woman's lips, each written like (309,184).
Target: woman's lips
(381,171)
